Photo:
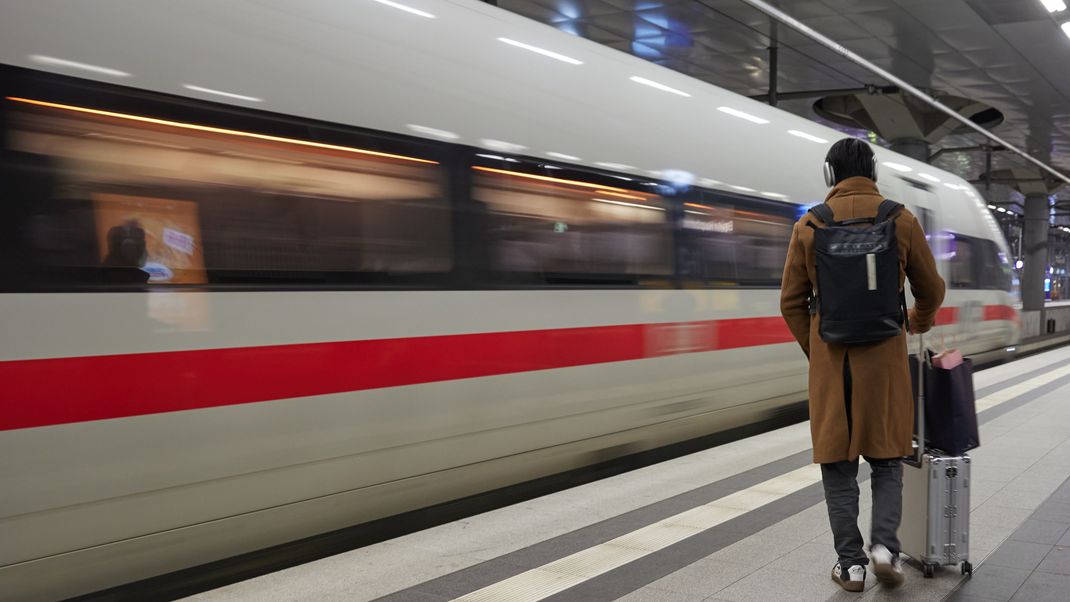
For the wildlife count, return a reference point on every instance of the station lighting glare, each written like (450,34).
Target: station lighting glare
(773,195)
(1054,6)
(1001,209)
(743,188)
(215,130)
(1019,264)
(56,62)
(656,85)
(430,131)
(1066,28)
(991,206)
(222,93)
(742,115)
(709,182)
(622,195)
(617,166)
(896,166)
(622,203)
(498,158)
(503,146)
(542,51)
(809,137)
(408,9)
(928,177)
(531,176)
(562,156)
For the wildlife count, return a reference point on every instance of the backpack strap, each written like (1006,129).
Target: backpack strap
(824,213)
(887,209)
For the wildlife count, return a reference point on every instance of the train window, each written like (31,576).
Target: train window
(960,254)
(543,229)
(995,267)
(725,242)
(122,199)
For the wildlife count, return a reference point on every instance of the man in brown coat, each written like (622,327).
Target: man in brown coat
(860,394)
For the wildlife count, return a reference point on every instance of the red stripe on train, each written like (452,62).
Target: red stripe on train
(77,389)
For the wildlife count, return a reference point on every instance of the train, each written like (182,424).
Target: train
(274,269)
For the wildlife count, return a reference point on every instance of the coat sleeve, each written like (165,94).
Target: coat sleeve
(925,282)
(795,289)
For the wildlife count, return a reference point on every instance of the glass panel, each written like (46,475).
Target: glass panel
(189,204)
(724,245)
(960,254)
(546,229)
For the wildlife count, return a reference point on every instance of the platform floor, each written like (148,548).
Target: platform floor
(742,522)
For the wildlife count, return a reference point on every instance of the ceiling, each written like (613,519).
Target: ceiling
(1009,54)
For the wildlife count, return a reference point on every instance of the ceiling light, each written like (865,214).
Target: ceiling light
(55,62)
(1001,209)
(991,206)
(430,131)
(742,115)
(897,166)
(1054,6)
(609,165)
(806,136)
(562,156)
(408,9)
(654,84)
(743,188)
(215,130)
(1066,28)
(501,145)
(222,93)
(542,51)
(929,178)
(628,204)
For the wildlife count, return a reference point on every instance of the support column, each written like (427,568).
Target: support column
(915,148)
(1035,251)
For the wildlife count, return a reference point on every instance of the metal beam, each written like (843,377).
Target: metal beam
(804,94)
(827,42)
(988,148)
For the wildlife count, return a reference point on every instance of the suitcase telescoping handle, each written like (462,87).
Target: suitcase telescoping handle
(919,450)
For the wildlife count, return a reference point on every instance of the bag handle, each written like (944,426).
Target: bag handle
(923,361)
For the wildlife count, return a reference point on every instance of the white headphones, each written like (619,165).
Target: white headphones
(830,173)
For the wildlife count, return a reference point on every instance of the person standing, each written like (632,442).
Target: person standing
(861,401)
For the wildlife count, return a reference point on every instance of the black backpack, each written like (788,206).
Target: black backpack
(858,295)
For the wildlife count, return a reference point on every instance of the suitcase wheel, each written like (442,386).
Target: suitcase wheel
(967,568)
(928,569)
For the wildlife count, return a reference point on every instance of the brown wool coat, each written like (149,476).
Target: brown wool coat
(882,409)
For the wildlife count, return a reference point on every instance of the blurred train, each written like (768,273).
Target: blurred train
(271,269)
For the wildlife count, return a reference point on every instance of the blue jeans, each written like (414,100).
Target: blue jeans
(841,495)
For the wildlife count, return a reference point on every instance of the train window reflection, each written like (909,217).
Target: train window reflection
(122,201)
(555,230)
(960,255)
(724,245)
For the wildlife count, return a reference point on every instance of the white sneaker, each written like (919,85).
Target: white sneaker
(886,566)
(853,580)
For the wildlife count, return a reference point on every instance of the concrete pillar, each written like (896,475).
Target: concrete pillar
(1035,252)
(915,148)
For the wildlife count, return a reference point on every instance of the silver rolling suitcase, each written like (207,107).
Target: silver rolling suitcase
(935,530)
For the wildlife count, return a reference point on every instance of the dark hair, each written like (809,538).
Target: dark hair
(850,157)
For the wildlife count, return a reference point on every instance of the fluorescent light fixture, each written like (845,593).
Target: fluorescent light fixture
(542,51)
(222,93)
(503,146)
(773,195)
(408,9)
(896,166)
(624,178)
(430,131)
(806,136)
(744,188)
(55,62)
(991,206)
(1001,209)
(742,115)
(628,204)
(562,156)
(1054,6)
(928,177)
(609,165)
(1066,28)
(662,87)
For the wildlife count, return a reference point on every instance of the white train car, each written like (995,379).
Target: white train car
(272,269)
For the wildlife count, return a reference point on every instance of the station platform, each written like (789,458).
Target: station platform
(744,521)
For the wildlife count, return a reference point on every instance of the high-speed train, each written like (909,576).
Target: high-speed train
(272,269)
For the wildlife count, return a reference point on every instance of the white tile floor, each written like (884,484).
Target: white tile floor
(1025,456)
